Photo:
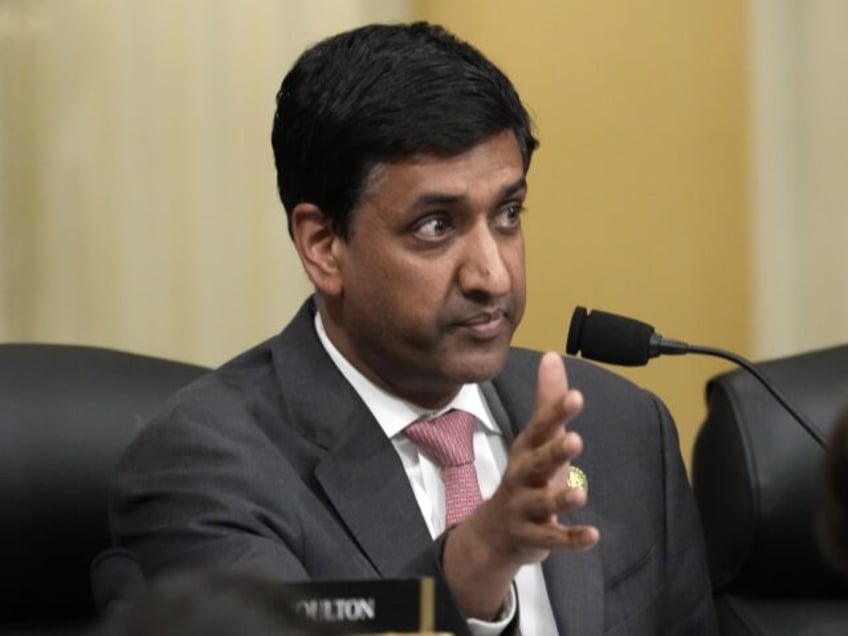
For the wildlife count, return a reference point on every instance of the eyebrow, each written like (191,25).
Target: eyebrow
(441,198)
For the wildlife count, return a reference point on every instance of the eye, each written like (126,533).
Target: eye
(509,216)
(433,228)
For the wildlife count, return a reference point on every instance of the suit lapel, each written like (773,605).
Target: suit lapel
(576,587)
(498,412)
(366,483)
(358,468)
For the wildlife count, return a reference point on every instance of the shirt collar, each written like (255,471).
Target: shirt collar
(393,413)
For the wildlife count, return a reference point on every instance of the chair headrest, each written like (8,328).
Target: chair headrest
(756,474)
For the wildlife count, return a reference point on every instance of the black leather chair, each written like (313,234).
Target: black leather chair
(756,476)
(66,414)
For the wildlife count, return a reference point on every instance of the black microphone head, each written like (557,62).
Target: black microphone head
(575,331)
(606,337)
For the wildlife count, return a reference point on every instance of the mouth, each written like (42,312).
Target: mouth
(485,325)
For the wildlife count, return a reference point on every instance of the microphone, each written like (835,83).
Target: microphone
(605,337)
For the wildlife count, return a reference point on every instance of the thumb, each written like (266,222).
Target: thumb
(552,385)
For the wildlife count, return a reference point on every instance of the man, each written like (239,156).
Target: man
(402,156)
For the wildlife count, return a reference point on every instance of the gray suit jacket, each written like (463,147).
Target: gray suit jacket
(273,464)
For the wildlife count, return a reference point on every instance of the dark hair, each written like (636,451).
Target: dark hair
(380,94)
(209,603)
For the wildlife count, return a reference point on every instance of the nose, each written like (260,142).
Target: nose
(484,269)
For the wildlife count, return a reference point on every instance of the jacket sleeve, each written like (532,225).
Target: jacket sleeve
(189,495)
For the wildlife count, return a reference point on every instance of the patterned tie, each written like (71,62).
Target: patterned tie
(448,439)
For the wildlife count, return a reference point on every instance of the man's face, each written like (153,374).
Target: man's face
(432,275)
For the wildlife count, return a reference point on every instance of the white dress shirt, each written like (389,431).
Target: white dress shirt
(490,457)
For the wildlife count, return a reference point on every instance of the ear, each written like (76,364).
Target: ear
(315,243)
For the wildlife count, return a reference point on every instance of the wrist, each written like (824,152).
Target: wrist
(467,559)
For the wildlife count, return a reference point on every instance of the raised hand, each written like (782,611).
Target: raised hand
(518,524)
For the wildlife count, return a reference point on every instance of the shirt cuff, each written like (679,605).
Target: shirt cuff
(504,618)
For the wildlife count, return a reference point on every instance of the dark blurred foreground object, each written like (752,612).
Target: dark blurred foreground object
(190,601)
(209,603)
(756,476)
(833,513)
(66,414)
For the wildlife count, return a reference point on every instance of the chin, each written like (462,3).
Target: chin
(482,367)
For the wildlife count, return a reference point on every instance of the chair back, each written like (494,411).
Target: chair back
(66,414)
(756,474)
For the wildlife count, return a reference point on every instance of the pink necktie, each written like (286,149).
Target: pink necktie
(448,439)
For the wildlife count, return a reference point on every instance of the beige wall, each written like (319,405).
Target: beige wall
(799,163)
(138,204)
(638,193)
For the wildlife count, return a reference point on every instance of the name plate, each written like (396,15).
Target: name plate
(380,606)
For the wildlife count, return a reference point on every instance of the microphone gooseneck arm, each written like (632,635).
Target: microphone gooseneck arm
(615,339)
(677,347)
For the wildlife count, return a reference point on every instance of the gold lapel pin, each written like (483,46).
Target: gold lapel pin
(577,479)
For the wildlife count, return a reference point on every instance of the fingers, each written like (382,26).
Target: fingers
(557,537)
(552,382)
(551,535)
(547,500)
(519,522)
(542,506)
(531,528)
(521,526)
(540,464)
(555,403)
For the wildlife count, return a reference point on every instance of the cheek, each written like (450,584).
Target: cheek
(515,262)
(518,277)
(427,282)
(391,293)
(414,300)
